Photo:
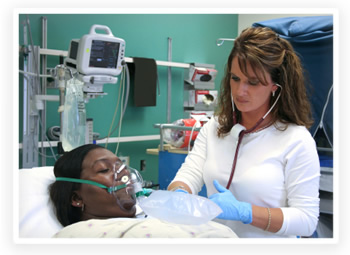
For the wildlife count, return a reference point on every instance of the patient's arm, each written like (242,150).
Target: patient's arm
(179,185)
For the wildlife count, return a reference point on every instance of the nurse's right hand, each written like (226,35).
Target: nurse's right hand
(181,190)
(179,187)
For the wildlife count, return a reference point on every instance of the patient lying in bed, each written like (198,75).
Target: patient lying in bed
(84,210)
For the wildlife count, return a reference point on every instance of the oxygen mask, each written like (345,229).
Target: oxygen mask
(126,180)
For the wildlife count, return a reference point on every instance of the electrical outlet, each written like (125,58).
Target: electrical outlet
(125,160)
(142,165)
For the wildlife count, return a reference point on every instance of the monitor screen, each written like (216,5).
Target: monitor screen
(104,54)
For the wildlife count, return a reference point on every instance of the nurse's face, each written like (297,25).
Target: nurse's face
(98,203)
(251,97)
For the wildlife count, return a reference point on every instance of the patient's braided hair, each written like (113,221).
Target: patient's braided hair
(61,193)
(263,49)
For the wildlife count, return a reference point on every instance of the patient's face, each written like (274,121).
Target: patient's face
(98,203)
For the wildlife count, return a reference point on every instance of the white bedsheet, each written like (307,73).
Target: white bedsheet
(143,228)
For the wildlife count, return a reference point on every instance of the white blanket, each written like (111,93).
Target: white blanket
(143,228)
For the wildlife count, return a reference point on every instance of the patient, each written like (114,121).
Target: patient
(75,202)
(87,210)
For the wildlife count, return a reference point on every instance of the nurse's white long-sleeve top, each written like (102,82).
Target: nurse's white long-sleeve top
(276,169)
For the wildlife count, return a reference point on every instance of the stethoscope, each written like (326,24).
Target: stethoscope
(240,131)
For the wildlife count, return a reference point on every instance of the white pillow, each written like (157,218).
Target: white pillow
(36,215)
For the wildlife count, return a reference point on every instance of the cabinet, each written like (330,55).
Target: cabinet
(325,224)
(325,152)
(199,89)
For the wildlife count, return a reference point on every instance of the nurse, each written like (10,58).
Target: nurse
(256,156)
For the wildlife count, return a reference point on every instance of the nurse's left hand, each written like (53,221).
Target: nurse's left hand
(231,207)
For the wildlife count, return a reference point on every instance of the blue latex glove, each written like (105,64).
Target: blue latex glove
(181,190)
(231,207)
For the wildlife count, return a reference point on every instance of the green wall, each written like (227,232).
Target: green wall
(146,35)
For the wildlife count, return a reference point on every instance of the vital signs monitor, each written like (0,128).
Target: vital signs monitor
(97,58)
(97,54)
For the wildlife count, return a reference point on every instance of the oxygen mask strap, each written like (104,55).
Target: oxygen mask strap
(75,180)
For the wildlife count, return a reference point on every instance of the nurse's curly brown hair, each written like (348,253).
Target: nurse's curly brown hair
(263,49)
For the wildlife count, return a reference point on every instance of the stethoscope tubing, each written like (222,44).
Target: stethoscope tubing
(243,132)
(240,138)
